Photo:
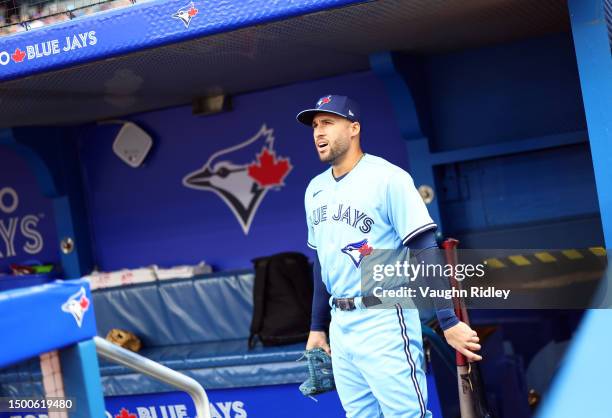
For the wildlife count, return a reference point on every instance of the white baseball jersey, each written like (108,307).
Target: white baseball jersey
(375,206)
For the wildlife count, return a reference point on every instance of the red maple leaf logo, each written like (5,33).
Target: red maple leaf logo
(84,302)
(365,250)
(124,413)
(193,11)
(325,100)
(18,55)
(269,171)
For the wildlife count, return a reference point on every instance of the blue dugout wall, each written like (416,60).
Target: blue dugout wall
(500,96)
(147,215)
(530,96)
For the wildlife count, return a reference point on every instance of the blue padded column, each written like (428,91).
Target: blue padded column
(582,385)
(592,45)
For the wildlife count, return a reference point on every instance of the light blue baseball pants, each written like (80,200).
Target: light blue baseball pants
(377,357)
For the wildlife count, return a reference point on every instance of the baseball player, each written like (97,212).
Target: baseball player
(363,202)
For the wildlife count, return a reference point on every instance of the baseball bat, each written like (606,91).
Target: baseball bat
(472,396)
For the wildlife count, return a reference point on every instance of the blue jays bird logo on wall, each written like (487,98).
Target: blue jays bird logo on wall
(77,305)
(186,13)
(242,175)
(357,251)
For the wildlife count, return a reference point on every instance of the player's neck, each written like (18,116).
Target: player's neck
(342,166)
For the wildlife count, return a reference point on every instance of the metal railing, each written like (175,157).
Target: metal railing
(157,371)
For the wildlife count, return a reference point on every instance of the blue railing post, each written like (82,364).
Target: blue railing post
(82,381)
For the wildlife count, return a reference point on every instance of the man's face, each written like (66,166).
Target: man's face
(332,136)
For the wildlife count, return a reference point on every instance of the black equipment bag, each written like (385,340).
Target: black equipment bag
(282,299)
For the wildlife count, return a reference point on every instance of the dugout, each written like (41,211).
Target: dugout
(501,109)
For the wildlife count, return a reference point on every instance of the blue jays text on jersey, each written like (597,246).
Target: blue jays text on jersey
(343,213)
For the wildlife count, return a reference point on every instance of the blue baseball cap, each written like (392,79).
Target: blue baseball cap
(338,105)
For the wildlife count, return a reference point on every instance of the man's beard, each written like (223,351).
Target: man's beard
(337,150)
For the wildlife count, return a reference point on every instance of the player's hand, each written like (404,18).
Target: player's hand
(318,339)
(463,339)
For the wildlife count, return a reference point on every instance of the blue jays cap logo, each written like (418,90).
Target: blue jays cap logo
(186,13)
(77,305)
(357,251)
(242,175)
(324,100)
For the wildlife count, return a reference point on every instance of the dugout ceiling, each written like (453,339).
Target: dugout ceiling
(305,47)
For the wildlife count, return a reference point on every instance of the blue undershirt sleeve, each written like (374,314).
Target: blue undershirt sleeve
(426,249)
(321,315)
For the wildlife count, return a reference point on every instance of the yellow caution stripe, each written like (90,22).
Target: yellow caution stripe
(572,254)
(598,251)
(494,263)
(519,260)
(545,257)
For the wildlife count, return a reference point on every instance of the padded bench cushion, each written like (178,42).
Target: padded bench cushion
(215,365)
(218,365)
(265,374)
(214,307)
(198,326)
(210,355)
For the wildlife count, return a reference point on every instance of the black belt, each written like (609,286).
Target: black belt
(348,304)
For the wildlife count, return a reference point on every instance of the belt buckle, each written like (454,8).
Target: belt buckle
(345,304)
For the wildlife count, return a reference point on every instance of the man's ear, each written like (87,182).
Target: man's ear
(355,128)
